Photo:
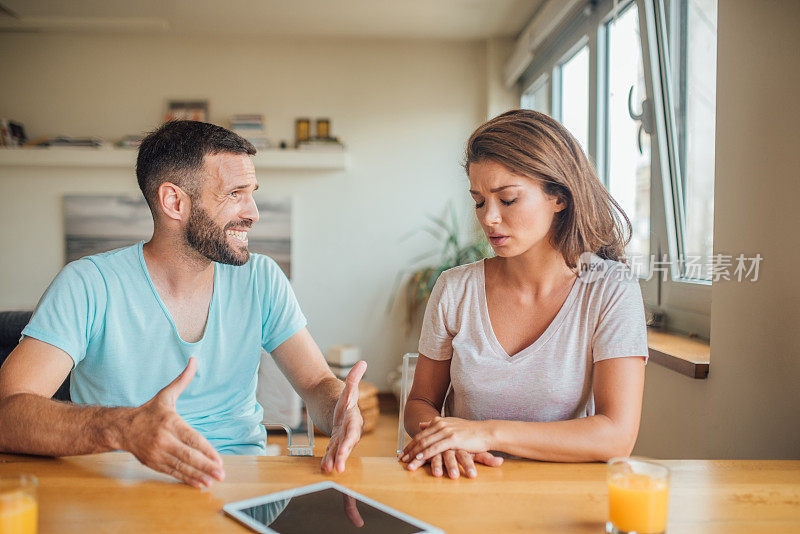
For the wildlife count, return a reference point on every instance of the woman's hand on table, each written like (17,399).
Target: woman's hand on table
(453,461)
(450,442)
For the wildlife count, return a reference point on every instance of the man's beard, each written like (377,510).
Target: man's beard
(204,236)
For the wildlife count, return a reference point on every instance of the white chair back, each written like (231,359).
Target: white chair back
(283,407)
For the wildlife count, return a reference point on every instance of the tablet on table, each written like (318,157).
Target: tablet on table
(322,507)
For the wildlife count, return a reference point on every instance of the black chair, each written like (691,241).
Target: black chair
(11,325)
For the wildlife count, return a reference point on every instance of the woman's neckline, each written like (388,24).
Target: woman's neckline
(540,341)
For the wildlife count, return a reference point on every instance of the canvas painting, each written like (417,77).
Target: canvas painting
(99,223)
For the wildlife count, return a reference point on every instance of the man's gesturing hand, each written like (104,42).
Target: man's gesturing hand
(347,422)
(159,438)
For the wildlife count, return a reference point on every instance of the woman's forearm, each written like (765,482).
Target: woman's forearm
(418,411)
(589,439)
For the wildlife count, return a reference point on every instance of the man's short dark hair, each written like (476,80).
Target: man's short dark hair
(175,151)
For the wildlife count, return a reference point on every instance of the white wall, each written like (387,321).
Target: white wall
(749,407)
(404,108)
(499,98)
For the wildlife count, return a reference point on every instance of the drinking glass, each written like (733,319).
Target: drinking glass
(18,507)
(638,493)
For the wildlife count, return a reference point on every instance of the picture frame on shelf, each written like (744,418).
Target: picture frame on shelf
(189,110)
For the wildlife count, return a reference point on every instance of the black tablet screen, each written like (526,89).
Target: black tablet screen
(327,510)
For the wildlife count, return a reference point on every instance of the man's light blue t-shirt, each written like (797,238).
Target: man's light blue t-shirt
(104,312)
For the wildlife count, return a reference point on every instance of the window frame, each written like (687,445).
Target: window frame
(685,304)
(544,81)
(650,285)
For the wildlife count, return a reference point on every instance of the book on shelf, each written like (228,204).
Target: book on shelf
(252,127)
(66,141)
(130,141)
(248,117)
(259,142)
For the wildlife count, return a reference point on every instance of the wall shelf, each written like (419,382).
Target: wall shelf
(126,158)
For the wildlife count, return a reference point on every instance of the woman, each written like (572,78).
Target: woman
(545,343)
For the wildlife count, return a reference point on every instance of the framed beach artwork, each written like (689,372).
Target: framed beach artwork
(99,223)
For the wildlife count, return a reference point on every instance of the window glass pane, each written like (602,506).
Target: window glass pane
(698,100)
(575,96)
(628,161)
(538,98)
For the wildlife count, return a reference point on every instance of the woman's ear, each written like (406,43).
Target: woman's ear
(561,204)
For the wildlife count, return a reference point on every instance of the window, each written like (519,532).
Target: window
(695,75)
(634,81)
(627,141)
(573,76)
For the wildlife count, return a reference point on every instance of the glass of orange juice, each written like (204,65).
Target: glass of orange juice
(638,493)
(18,507)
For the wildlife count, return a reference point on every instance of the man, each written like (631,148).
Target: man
(193,303)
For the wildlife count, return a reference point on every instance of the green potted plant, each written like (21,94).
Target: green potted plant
(416,283)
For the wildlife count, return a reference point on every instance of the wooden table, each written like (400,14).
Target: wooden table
(114,493)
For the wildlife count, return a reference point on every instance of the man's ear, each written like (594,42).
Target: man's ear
(173,201)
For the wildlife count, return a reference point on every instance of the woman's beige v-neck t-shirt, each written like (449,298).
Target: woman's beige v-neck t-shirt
(551,380)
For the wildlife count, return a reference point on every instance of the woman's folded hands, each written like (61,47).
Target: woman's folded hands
(451,445)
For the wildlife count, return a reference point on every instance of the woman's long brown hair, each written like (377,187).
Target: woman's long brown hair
(534,145)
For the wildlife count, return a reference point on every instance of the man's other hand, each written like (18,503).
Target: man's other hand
(159,438)
(347,422)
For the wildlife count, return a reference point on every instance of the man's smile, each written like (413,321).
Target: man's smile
(239,235)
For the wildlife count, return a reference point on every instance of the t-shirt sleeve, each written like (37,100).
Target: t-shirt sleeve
(281,315)
(71,311)
(621,330)
(436,339)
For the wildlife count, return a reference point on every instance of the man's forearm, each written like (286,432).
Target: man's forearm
(32,424)
(321,402)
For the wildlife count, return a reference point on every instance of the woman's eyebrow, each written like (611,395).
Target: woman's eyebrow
(496,189)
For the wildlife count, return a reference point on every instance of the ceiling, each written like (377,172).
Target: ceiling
(391,19)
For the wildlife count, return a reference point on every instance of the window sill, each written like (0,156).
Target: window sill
(682,354)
